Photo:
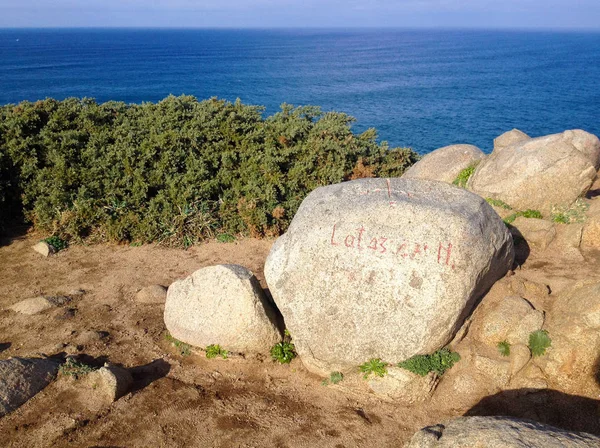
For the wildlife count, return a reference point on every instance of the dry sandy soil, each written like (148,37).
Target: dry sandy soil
(181,400)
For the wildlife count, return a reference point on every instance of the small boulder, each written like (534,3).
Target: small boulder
(539,173)
(402,386)
(22,378)
(44,249)
(537,232)
(510,138)
(109,383)
(153,294)
(383,268)
(33,306)
(222,305)
(499,432)
(445,164)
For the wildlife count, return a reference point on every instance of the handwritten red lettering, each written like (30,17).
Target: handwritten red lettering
(333,243)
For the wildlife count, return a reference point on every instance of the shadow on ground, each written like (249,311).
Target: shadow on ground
(551,407)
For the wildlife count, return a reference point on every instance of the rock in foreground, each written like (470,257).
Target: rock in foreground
(383,268)
(222,305)
(499,432)
(22,378)
(446,163)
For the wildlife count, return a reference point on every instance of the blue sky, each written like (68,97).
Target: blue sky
(569,14)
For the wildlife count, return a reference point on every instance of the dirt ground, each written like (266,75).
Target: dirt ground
(176,400)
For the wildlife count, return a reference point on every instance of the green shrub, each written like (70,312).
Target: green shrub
(283,352)
(498,203)
(504,348)
(212,351)
(178,171)
(74,368)
(183,348)
(464,175)
(539,342)
(56,242)
(225,238)
(438,362)
(374,366)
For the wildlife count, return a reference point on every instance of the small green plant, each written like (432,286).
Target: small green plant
(498,203)
(56,242)
(504,348)
(183,348)
(225,238)
(464,175)
(75,369)
(334,378)
(212,351)
(375,366)
(136,244)
(524,213)
(539,342)
(572,214)
(283,352)
(438,362)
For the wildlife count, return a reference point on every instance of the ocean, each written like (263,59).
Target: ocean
(419,88)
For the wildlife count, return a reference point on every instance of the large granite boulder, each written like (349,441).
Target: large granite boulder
(540,173)
(445,164)
(499,432)
(383,268)
(510,138)
(222,305)
(22,378)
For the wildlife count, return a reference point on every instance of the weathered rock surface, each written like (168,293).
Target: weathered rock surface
(33,306)
(499,432)
(44,249)
(222,305)
(444,164)
(109,383)
(153,294)
(540,173)
(383,268)
(537,232)
(510,138)
(22,378)
(402,386)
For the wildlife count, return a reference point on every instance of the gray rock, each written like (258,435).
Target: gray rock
(44,249)
(510,138)
(22,378)
(110,382)
(32,306)
(153,294)
(499,432)
(537,232)
(383,268)
(222,305)
(444,164)
(539,173)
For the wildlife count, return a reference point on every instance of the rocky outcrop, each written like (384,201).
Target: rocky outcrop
(540,173)
(509,138)
(383,268)
(499,432)
(446,163)
(222,305)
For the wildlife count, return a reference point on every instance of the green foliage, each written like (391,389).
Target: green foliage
(178,171)
(74,368)
(539,342)
(374,366)
(334,378)
(225,238)
(283,352)
(183,348)
(572,214)
(464,175)
(212,351)
(56,242)
(438,362)
(525,213)
(504,348)
(498,203)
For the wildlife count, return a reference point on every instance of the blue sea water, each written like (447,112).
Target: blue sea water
(422,89)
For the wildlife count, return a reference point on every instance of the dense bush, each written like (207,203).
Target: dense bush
(176,171)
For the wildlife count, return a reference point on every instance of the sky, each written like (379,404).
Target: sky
(554,14)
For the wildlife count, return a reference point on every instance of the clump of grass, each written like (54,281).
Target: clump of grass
(464,175)
(225,238)
(525,214)
(374,366)
(437,362)
(575,213)
(212,351)
(334,378)
(56,242)
(498,203)
(504,348)
(183,348)
(539,342)
(74,368)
